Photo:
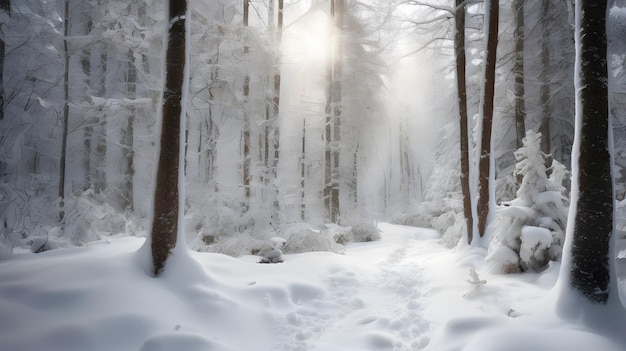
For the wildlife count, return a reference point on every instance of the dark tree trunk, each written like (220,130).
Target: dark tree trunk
(487,117)
(166,196)
(546,135)
(5,5)
(66,112)
(85,62)
(459,48)
(593,221)
(518,71)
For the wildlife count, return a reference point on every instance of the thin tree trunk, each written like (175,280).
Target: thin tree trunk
(85,61)
(276,102)
(338,9)
(165,219)
(128,141)
(591,253)
(141,13)
(487,117)
(66,112)
(332,127)
(6,6)
(246,126)
(100,177)
(518,70)
(302,172)
(328,138)
(545,83)
(459,45)
(269,105)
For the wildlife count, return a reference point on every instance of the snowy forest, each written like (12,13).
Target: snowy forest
(237,132)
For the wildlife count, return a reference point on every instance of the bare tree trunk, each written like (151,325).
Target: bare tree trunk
(66,112)
(303,172)
(487,117)
(246,126)
(6,6)
(166,196)
(332,129)
(276,103)
(459,45)
(85,61)
(591,254)
(128,138)
(518,70)
(269,105)
(328,138)
(100,177)
(545,83)
(338,8)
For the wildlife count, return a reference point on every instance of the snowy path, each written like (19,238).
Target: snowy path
(372,300)
(404,292)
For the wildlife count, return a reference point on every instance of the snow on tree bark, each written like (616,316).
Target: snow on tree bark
(332,131)
(593,219)
(246,126)
(166,196)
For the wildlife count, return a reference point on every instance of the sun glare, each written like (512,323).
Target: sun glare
(308,39)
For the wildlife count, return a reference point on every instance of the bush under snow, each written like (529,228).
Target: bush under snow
(532,225)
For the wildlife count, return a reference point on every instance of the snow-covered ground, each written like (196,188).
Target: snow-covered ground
(404,292)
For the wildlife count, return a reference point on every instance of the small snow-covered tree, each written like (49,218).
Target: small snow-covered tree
(532,225)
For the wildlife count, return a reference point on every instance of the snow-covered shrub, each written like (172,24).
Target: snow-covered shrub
(444,214)
(360,232)
(533,224)
(275,253)
(302,237)
(89,217)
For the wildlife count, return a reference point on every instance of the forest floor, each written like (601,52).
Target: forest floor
(404,292)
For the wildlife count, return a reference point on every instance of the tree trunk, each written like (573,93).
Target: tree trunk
(328,138)
(5,5)
(459,46)
(487,116)
(246,126)
(100,176)
(332,129)
(128,138)
(338,9)
(165,221)
(545,83)
(303,172)
(66,112)
(518,71)
(591,252)
(85,62)
(276,105)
